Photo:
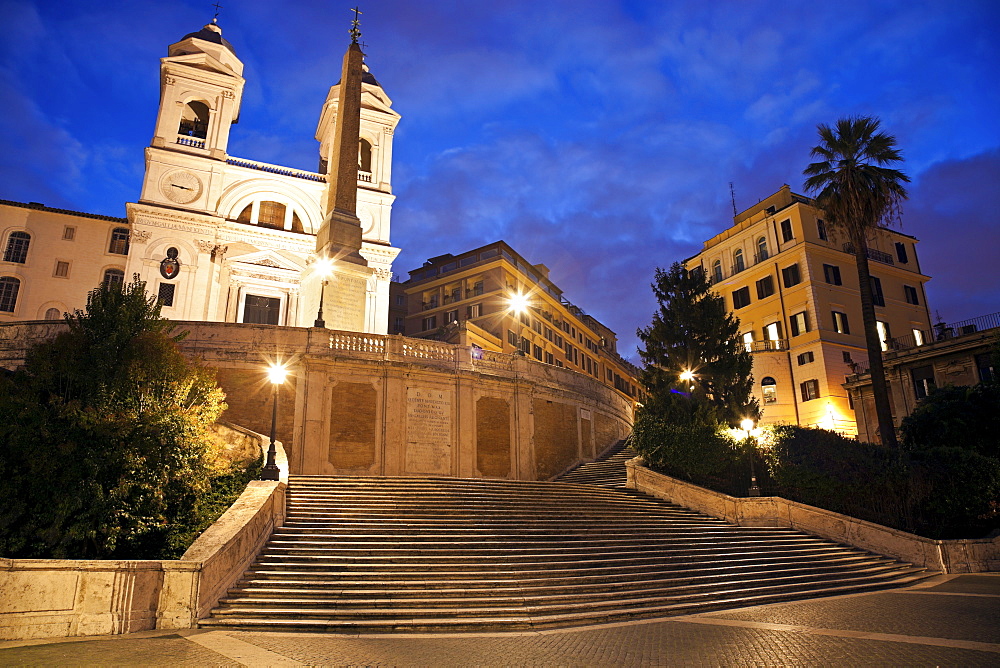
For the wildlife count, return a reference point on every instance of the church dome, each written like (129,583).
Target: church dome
(211,33)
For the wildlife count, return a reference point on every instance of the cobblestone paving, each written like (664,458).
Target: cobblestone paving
(950,623)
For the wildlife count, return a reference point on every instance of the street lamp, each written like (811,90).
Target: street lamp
(688,376)
(276,373)
(518,305)
(323,267)
(747,426)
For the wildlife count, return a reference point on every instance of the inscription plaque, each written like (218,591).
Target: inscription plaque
(428,430)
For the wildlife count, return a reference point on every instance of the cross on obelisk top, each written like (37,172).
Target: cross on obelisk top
(355,26)
(217,8)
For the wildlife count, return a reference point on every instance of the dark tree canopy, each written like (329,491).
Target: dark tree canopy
(104,436)
(693,331)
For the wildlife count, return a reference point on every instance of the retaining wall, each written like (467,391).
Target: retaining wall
(947,556)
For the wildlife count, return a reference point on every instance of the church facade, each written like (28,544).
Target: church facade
(220,238)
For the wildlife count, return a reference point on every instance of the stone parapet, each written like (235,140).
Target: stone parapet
(947,556)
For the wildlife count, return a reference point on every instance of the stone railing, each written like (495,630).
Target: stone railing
(49,598)
(947,556)
(275,169)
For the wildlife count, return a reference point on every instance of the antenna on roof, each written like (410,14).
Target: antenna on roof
(732,194)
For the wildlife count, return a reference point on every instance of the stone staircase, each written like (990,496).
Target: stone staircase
(447,554)
(608,470)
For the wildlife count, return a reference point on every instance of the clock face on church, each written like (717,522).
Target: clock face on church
(181,187)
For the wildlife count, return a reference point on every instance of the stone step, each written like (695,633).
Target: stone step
(434,554)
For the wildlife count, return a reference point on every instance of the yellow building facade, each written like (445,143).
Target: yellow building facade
(493,299)
(793,284)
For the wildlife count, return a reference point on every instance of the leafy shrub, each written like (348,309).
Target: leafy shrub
(105,437)
(966,417)
(957,492)
(697,450)
(824,469)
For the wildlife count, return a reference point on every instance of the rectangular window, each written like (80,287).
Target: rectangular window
(9,287)
(840,323)
(165,294)
(119,241)
(810,390)
(748,341)
(910,293)
(741,298)
(883,334)
(800,323)
(877,297)
(831,273)
(806,358)
(512,338)
(450,317)
(765,287)
(918,336)
(923,380)
(821,228)
(550,358)
(772,335)
(790,275)
(62,269)
(537,350)
(984,364)
(786,230)
(429,322)
(399,326)
(69,233)
(400,300)
(847,356)
(261,310)
(474,311)
(901,252)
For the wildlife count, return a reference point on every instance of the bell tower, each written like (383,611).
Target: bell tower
(201,86)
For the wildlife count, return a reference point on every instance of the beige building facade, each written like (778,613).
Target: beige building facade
(956,354)
(494,299)
(218,237)
(793,285)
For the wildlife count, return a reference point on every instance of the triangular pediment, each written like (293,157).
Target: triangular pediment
(201,61)
(266,259)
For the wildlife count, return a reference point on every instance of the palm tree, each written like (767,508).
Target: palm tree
(860,193)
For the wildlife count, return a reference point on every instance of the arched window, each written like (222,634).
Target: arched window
(762,249)
(770,390)
(17,247)
(364,156)
(119,241)
(717,271)
(114,278)
(52,314)
(738,263)
(9,287)
(297,223)
(194,120)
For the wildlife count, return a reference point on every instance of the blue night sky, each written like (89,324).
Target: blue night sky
(598,137)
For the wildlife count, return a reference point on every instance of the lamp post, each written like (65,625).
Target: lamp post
(323,268)
(276,373)
(688,376)
(747,426)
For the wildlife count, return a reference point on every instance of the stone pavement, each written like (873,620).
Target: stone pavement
(945,621)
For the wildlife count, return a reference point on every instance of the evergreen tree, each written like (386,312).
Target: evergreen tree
(693,331)
(104,436)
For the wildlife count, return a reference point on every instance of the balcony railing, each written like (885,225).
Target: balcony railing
(191,141)
(770,346)
(945,331)
(364,176)
(275,169)
(873,254)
